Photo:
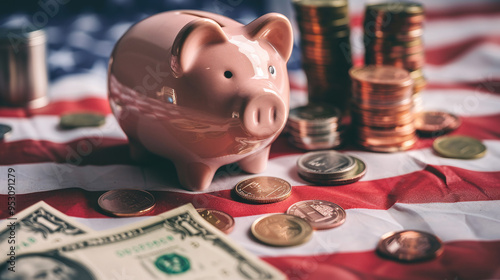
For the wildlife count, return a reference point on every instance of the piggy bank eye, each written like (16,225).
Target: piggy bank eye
(228,74)
(272,70)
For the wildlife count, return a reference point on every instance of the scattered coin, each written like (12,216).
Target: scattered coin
(5,131)
(460,147)
(281,230)
(319,213)
(263,189)
(75,120)
(429,123)
(325,165)
(410,246)
(127,202)
(314,127)
(221,220)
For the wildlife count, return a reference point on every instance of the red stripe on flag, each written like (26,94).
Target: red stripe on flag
(434,184)
(446,54)
(102,151)
(460,260)
(95,151)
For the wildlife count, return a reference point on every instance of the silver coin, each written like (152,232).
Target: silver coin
(315,113)
(333,137)
(322,130)
(325,164)
(319,213)
(315,146)
(351,177)
(4,131)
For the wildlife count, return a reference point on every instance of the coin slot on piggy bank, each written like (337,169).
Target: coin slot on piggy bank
(202,90)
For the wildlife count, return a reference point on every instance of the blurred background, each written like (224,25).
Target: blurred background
(81,34)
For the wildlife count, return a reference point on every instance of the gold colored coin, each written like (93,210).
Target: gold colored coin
(76,120)
(127,202)
(281,230)
(460,147)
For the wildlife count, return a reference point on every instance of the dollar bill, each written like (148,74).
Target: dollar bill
(178,244)
(36,226)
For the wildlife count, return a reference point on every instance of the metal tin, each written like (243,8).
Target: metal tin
(23,68)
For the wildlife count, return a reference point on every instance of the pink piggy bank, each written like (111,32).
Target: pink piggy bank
(202,90)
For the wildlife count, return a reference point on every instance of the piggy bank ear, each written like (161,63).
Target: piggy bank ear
(191,38)
(276,29)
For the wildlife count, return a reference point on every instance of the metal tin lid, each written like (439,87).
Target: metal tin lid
(19,36)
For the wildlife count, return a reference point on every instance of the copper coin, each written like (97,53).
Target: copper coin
(281,230)
(127,202)
(319,213)
(382,75)
(410,246)
(263,189)
(221,220)
(312,146)
(403,146)
(434,122)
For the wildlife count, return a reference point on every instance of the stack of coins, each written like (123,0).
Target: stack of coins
(5,131)
(326,49)
(330,168)
(315,127)
(382,108)
(393,36)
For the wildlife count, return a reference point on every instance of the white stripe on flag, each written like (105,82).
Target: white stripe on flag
(43,127)
(472,221)
(477,65)
(461,102)
(39,177)
(46,128)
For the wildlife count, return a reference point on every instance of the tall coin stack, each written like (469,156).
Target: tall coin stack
(382,108)
(326,50)
(393,36)
(315,127)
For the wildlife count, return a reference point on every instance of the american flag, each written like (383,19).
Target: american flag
(457,200)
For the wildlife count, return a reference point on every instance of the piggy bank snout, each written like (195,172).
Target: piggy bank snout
(264,115)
